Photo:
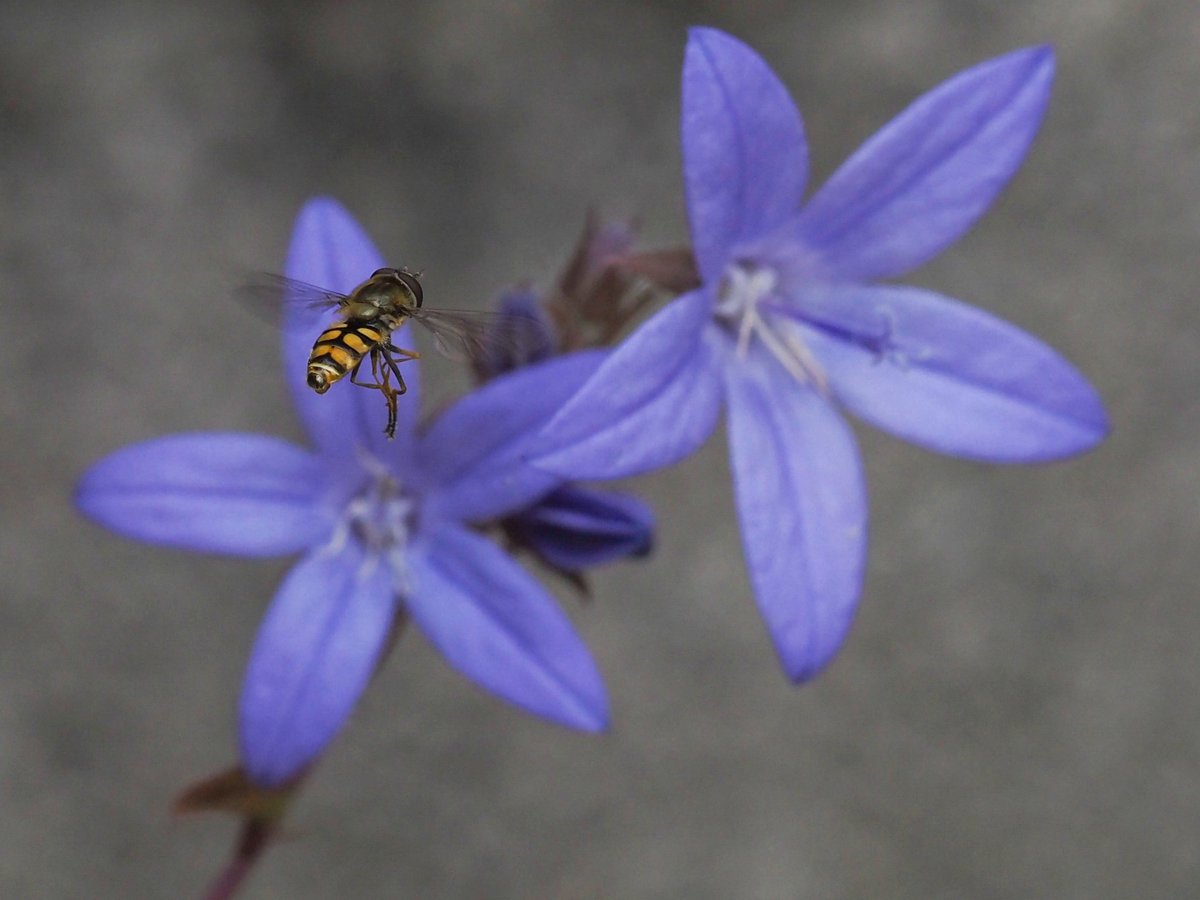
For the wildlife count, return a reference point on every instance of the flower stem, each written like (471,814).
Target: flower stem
(252,841)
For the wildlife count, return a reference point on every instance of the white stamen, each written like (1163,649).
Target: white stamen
(795,356)
(743,290)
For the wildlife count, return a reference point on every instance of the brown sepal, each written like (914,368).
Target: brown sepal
(672,270)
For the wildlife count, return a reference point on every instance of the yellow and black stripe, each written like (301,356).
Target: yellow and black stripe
(338,350)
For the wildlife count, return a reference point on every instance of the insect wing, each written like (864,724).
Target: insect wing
(465,335)
(273,295)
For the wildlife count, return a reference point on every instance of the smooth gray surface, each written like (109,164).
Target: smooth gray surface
(1015,713)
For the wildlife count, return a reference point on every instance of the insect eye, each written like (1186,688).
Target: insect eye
(409,280)
(384,271)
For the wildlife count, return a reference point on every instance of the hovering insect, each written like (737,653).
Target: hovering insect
(367,316)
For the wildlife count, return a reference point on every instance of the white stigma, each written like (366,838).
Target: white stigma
(744,287)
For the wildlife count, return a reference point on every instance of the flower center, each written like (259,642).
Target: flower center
(381,516)
(741,308)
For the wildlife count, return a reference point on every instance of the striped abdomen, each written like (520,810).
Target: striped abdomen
(338,350)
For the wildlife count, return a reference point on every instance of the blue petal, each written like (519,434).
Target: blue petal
(331,250)
(315,653)
(575,528)
(242,494)
(803,511)
(745,158)
(924,179)
(472,458)
(951,377)
(496,625)
(653,401)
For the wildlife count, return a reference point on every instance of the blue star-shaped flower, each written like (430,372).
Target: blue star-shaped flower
(788,326)
(384,526)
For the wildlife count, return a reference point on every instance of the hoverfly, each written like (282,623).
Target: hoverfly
(367,316)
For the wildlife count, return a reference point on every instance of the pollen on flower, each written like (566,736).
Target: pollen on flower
(741,308)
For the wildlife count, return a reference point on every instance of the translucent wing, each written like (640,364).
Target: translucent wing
(270,294)
(466,335)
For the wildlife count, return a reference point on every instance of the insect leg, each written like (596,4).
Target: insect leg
(387,357)
(385,385)
(354,376)
(382,383)
(407,354)
(381,379)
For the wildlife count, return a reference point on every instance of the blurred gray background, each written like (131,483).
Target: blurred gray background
(1017,710)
